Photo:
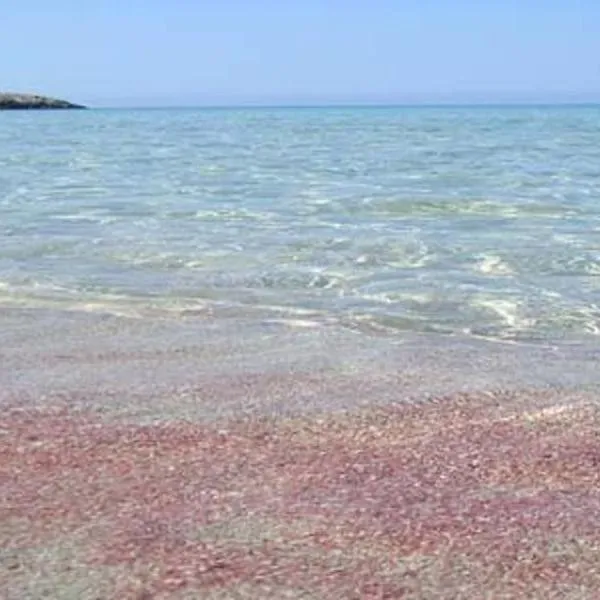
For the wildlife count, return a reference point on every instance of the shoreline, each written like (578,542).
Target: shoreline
(165,366)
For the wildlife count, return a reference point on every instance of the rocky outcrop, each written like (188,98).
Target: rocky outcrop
(33,102)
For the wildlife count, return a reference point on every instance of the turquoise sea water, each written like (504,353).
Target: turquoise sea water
(472,221)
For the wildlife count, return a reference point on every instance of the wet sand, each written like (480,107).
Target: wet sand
(208,369)
(236,459)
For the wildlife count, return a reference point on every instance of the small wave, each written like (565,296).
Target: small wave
(507,319)
(295,323)
(508,310)
(223,214)
(425,207)
(494,265)
(101,219)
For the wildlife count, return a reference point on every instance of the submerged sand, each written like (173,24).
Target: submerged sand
(232,459)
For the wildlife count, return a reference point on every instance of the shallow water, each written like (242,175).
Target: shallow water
(205,368)
(468,221)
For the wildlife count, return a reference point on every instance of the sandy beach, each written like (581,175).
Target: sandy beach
(203,458)
(303,304)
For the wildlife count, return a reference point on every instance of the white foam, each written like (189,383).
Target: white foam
(494,265)
(508,310)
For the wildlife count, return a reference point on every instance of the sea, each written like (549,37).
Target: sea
(198,263)
(465,221)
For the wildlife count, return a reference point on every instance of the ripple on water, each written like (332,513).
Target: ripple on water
(468,222)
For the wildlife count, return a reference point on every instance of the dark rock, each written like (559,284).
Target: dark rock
(33,102)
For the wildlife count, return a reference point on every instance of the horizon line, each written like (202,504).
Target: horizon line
(270,105)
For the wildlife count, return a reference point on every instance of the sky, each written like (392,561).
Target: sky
(200,52)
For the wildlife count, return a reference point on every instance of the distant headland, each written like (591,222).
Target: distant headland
(10,101)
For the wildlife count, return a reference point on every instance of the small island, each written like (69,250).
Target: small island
(10,101)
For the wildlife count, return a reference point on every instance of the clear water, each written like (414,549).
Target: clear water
(470,221)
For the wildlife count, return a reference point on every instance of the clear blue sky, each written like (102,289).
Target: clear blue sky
(149,52)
